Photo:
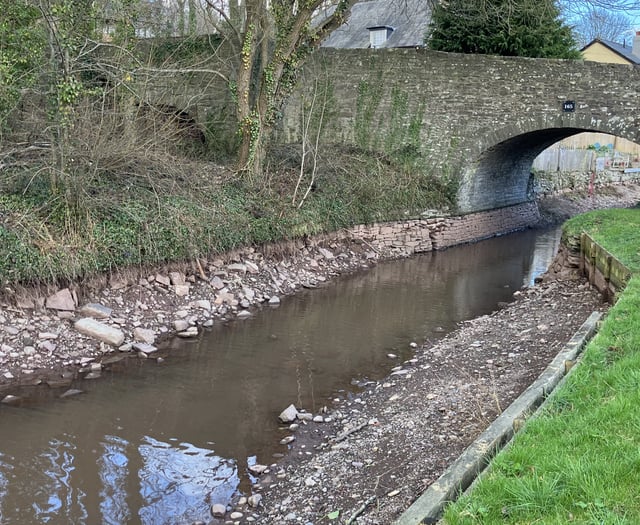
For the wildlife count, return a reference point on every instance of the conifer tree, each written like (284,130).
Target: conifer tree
(525,28)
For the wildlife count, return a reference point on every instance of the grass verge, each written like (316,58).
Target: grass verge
(116,208)
(578,461)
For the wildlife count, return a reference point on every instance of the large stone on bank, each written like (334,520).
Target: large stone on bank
(163,280)
(100,331)
(252,267)
(217,283)
(177,278)
(180,325)
(327,254)
(257,469)
(62,300)
(218,510)
(224,297)
(189,333)
(145,347)
(289,414)
(47,346)
(254,500)
(144,335)
(181,290)
(204,304)
(249,293)
(96,310)
(25,303)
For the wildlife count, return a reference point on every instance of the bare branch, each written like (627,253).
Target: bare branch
(181,71)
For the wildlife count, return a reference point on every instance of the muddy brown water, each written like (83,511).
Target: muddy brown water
(158,444)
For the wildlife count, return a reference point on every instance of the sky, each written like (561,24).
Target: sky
(574,12)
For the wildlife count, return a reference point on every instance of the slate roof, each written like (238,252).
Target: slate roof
(408,18)
(623,51)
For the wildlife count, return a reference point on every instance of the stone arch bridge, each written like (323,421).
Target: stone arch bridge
(482,119)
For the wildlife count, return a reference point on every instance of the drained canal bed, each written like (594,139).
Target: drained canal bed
(160,444)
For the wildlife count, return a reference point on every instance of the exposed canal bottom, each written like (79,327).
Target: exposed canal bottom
(161,444)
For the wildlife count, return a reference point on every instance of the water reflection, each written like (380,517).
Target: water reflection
(547,245)
(156,444)
(54,492)
(5,470)
(113,472)
(153,482)
(174,479)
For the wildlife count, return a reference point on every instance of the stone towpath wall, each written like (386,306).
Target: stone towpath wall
(422,235)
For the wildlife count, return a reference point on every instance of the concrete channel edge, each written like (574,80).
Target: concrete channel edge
(457,478)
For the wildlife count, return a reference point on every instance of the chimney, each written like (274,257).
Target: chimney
(635,50)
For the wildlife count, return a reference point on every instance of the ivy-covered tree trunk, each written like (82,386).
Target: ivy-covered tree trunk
(278,36)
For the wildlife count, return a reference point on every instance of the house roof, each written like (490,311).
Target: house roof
(622,50)
(408,18)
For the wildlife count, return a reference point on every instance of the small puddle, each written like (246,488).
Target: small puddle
(160,443)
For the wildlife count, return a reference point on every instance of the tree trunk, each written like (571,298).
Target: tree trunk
(248,118)
(267,67)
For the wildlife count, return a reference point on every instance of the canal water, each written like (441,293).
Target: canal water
(159,443)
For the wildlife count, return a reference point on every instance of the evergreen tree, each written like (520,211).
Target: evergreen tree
(528,28)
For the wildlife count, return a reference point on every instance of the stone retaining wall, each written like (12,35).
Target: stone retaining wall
(422,235)
(604,272)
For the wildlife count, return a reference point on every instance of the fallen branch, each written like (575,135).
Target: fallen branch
(201,270)
(360,510)
(344,435)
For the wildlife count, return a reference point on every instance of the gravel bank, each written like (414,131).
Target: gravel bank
(373,455)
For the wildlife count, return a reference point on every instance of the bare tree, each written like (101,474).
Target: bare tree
(575,11)
(602,24)
(274,37)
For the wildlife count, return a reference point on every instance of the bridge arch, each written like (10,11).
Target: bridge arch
(500,173)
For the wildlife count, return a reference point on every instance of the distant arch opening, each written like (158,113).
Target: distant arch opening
(504,174)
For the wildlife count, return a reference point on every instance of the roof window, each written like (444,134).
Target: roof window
(378,35)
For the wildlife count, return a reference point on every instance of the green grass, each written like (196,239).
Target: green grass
(578,461)
(615,229)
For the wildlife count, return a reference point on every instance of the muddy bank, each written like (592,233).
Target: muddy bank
(558,207)
(53,338)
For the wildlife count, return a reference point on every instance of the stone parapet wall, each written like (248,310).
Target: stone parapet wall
(422,235)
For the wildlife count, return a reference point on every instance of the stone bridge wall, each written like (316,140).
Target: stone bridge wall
(479,120)
(462,103)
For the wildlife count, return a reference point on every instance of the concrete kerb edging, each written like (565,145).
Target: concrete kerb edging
(429,506)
